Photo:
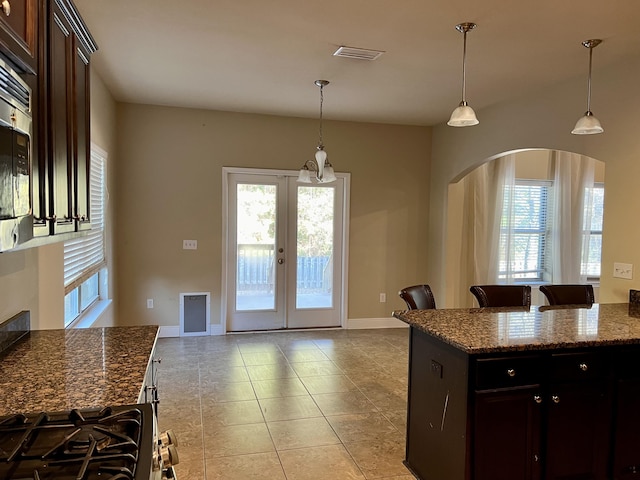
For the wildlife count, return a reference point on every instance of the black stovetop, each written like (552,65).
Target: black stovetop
(88,444)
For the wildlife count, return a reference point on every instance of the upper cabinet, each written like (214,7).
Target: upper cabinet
(63,168)
(49,44)
(19,33)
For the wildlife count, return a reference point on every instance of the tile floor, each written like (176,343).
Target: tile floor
(306,405)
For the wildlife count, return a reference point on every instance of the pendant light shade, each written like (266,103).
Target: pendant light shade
(589,124)
(463,115)
(320,165)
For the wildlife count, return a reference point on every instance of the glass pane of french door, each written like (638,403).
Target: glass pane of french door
(314,266)
(255,246)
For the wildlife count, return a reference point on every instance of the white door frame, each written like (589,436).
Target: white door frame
(226,171)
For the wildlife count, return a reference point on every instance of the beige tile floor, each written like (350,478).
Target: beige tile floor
(309,405)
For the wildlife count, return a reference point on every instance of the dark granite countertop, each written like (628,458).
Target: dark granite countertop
(487,330)
(55,370)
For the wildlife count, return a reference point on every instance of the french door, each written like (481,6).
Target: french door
(284,254)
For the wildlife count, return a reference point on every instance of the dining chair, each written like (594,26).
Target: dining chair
(418,297)
(578,294)
(502,295)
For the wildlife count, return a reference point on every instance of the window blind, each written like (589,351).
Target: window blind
(84,256)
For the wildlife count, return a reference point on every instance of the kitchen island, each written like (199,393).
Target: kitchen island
(59,370)
(510,394)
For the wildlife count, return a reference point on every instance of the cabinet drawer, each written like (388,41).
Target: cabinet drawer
(571,367)
(508,372)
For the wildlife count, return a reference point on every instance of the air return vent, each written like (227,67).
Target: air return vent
(195,313)
(357,53)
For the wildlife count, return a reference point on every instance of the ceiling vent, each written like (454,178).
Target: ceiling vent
(357,53)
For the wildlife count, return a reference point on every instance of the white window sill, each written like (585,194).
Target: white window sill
(91,316)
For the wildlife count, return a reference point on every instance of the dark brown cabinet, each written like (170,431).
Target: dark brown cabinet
(19,33)
(507,429)
(626,445)
(541,415)
(63,168)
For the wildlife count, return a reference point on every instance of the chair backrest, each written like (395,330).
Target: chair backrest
(568,294)
(502,295)
(418,297)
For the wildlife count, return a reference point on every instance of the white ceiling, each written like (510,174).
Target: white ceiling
(263,56)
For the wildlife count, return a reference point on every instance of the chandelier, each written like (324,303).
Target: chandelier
(321,167)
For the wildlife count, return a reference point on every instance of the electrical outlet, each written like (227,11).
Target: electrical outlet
(623,270)
(383,298)
(189,244)
(149,302)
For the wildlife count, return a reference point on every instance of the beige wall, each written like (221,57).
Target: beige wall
(545,120)
(169,188)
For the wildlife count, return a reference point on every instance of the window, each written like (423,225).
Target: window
(525,232)
(594,202)
(84,258)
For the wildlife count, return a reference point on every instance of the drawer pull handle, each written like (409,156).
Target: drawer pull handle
(584,367)
(6,7)
(555,398)
(537,398)
(511,372)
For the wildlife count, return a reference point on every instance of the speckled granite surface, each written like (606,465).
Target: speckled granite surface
(486,330)
(54,370)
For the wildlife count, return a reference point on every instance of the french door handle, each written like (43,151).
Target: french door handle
(280,261)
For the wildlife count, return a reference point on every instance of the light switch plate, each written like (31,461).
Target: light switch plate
(623,270)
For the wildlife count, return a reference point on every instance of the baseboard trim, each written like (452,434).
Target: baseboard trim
(352,324)
(361,323)
(169,331)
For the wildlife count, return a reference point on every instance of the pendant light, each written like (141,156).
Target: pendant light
(588,124)
(464,116)
(323,169)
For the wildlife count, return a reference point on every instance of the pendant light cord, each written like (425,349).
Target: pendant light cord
(321,102)
(589,80)
(464,68)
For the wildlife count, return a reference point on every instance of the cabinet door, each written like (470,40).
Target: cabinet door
(626,455)
(19,33)
(506,442)
(60,111)
(81,144)
(577,431)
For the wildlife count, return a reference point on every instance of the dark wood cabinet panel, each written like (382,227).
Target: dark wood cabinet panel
(19,33)
(626,453)
(578,426)
(507,429)
(81,144)
(67,93)
(60,87)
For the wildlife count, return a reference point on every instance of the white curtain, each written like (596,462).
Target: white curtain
(572,209)
(484,201)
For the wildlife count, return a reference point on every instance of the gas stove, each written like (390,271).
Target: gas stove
(117,443)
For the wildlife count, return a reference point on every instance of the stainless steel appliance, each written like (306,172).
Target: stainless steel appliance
(88,444)
(16,219)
